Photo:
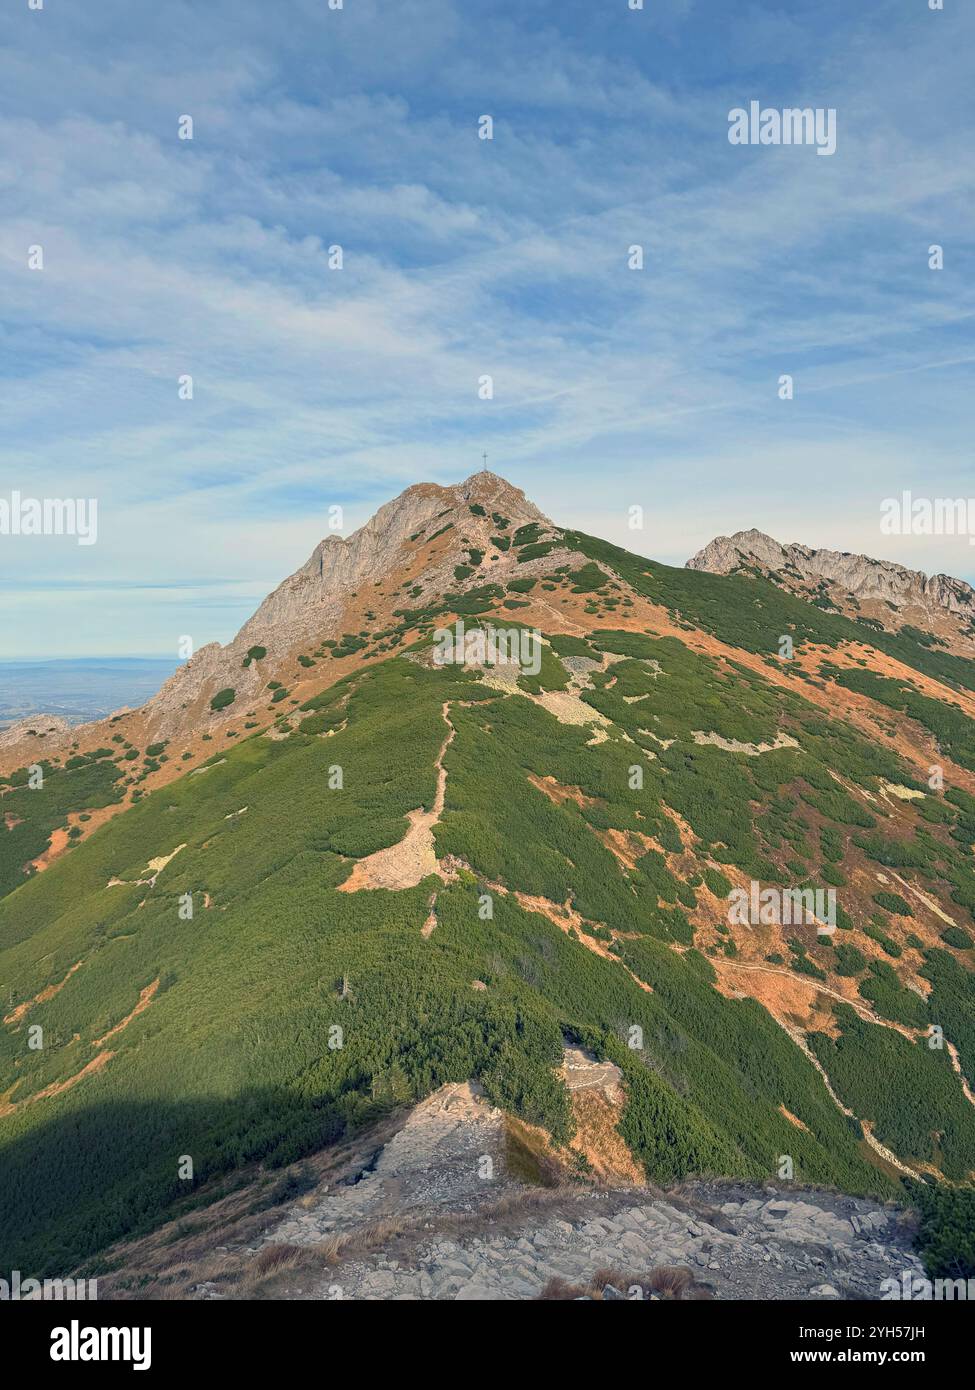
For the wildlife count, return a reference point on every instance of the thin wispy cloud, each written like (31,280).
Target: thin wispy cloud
(463,257)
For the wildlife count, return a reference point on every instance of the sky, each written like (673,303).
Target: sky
(315,127)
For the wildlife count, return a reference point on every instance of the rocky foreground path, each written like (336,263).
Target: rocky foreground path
(754,1246)
(470,1233)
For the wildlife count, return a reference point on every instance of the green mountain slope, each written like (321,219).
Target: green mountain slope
(751,613)
(213,1036)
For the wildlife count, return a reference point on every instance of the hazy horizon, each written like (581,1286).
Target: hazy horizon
(79,689)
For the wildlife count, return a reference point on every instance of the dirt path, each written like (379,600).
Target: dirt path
(564,622)
(799,1038)
(956,1068)
(56,1088)
(566,918)
(912,1034)
(881,1150)
(51,990)
(414,858)
(145,999)
(862,1009)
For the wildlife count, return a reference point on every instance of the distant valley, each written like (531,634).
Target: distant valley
(79,690)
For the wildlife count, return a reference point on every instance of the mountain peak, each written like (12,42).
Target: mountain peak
(414,549)
(852,581)
(482,486)
(484,481)
(375,547)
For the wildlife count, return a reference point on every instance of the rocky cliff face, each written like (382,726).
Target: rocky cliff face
(338,567)
(409,555)
(344,577)
(866,579)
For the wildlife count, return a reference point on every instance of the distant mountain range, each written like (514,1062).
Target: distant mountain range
(712,828)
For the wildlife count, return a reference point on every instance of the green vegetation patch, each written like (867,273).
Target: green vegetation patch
(38,800)
(893,902)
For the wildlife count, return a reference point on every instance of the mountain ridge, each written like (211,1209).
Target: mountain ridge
(370,553)
(311,600)
(870,584)
(605,804)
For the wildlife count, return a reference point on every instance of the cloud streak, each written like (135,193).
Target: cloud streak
(462,258)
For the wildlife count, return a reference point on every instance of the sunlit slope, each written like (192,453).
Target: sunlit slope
(751,613)
(561,886)
(31,812)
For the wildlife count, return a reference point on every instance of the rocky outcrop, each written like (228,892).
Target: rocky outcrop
(315,601)
(754,1244)
(46,730)
(469,1229)
(437,1204)
(862,576)
(338,566)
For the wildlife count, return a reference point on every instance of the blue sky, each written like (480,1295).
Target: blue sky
(464,257)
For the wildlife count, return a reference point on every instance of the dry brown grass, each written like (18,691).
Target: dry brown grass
(214,1243)
(597,1137)
(529,1157)
(558,1289)
(275,1257)
(666,1283)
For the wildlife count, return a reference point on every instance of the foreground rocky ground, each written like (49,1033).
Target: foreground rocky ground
(757,1244)
(458,1227)
(455,1201)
